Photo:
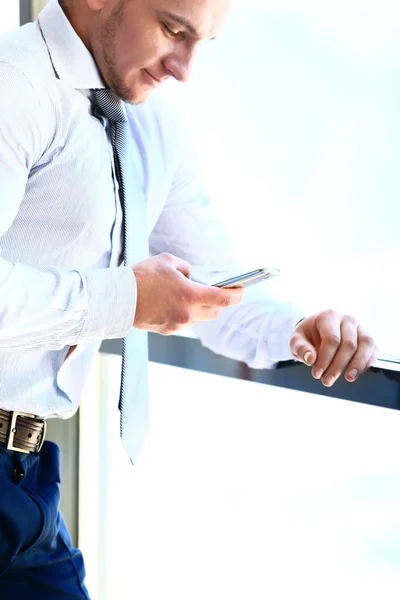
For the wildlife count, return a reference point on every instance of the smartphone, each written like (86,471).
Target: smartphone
(250,278)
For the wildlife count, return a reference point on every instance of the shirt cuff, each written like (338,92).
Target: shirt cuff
(278,337)
(112,295)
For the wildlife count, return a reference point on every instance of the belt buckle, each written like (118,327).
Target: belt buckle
(13,430)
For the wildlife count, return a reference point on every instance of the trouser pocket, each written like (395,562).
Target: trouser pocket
(21,522)
(29,508)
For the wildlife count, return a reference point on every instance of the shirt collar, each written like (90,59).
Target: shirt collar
(71,59)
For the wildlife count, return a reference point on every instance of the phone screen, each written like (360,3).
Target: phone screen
(249,278)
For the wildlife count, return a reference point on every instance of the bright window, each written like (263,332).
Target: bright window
(9,15)
(243,490)
(295,113)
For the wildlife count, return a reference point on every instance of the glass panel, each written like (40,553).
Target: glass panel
(242,491)
(299,100)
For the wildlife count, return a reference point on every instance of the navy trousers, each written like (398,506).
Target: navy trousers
(37,560)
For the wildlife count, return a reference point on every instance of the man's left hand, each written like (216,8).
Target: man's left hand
(333,343)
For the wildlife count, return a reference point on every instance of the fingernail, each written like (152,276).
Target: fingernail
(352,374)
(306,357)
(318,373)
(329,381)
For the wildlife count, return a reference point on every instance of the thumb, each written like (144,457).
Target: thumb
(309,356)
(301,347)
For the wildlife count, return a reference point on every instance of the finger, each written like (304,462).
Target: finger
(183,267)
(371,360)
(172,261)
(206,313)
(365,356)
(221,297)
(328,327)
(345,352)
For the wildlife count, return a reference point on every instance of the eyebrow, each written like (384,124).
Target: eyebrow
(184,22)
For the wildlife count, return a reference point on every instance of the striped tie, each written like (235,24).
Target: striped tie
(133,401)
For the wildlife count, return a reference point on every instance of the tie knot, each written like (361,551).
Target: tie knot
(110,106)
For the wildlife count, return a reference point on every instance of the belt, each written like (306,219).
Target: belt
(22,432)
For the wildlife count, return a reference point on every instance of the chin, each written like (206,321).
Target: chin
(133,96)
(131,90)
(140,96)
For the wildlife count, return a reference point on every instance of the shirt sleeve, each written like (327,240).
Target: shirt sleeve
(256,331)
(45,306)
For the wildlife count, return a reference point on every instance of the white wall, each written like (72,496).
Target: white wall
(37,6)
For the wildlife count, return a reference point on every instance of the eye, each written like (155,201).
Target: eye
(171,32)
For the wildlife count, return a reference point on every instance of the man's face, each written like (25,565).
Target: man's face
(137,44)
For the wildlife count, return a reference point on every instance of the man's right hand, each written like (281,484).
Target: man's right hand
(168,300)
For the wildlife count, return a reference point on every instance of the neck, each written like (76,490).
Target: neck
(78,15)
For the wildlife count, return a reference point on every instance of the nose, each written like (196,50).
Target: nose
(180,62)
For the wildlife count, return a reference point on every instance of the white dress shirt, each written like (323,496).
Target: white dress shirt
(61,282)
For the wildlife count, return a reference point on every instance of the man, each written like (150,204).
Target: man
(63,236)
